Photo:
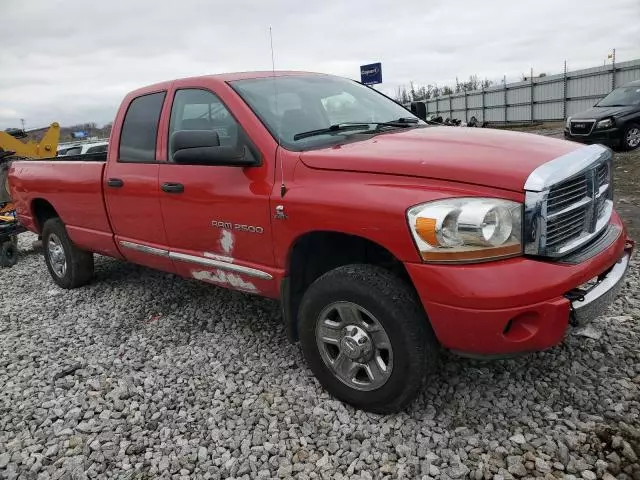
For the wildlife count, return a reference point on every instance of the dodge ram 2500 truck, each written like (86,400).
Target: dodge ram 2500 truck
(385,239)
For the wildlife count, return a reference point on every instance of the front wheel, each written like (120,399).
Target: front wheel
(69,266)
(631,138)
(366,338)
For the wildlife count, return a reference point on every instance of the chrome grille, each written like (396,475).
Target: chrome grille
(566,193)
(602,173)
(582,127)
(566,226)
(603,181)
(568,202)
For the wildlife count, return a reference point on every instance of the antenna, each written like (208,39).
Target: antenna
(283,188)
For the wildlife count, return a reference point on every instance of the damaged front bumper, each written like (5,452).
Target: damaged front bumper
(588,304)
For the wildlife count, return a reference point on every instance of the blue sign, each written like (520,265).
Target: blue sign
(81,134)
(371,74)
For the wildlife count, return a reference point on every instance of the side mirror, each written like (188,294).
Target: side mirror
(419,109)
(202,147)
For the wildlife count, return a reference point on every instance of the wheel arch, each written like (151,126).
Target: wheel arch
(314,253)
(41,211)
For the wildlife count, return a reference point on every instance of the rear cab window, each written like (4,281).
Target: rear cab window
(140,129)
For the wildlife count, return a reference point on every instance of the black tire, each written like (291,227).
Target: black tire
(8,254)
(626,142)
(79,263)
(395,307)
(4,181)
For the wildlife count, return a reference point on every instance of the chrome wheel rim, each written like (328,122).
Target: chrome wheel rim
(354,346)
(633,137)
(57,258)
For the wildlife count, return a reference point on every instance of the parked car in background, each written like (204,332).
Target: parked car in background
(613,121)
(82,149)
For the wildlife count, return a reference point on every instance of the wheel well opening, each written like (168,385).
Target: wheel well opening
(42,211)
(315,254)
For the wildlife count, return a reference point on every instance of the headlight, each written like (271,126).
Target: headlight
(606,123)
(568,125)
(466,229)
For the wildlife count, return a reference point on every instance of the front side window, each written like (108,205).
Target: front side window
(140,129)
(195,109)
(292,105)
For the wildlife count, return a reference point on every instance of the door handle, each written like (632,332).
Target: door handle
(115,183)
(172,187)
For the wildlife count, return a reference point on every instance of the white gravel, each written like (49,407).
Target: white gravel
(143,375)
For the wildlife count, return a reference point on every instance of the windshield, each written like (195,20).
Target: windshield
(621,97)
(316,102)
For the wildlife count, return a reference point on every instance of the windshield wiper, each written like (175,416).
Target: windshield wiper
(613,105)
(403,122)
(338,127)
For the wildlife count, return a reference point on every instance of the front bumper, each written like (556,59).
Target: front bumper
(594,301)
(610,137)
(519,304)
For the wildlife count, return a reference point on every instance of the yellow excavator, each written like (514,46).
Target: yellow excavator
(12,148)
(9,142)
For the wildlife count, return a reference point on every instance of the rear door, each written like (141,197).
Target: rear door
(217,217)
(131,185)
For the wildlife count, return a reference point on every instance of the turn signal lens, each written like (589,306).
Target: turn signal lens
(466,229)
(426,228)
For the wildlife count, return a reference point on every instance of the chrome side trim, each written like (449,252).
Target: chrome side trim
(565,166)
(231,267)
(144,248)
(598,298)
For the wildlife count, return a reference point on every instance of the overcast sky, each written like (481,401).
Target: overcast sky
(72,61)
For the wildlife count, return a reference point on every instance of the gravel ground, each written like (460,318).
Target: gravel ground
(145,375)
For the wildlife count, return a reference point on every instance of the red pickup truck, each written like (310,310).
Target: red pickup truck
(384,238)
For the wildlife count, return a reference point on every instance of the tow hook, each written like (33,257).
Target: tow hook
(575,295)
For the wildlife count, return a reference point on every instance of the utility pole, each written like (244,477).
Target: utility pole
(532,99)
(22,122)
(564,95)
(506,106)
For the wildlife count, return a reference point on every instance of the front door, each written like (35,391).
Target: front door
(217,218)
(131,186)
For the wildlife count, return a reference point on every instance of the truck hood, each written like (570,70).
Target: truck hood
(599,113)
(488,157)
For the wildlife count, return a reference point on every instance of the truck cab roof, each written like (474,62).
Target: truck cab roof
(221,78)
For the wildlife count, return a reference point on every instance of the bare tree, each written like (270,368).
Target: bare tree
(412,91)
(422,92)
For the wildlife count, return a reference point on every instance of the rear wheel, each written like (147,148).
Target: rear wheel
(366,338)
(69,266)
(631,138)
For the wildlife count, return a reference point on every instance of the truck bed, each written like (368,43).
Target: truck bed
(73,187)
